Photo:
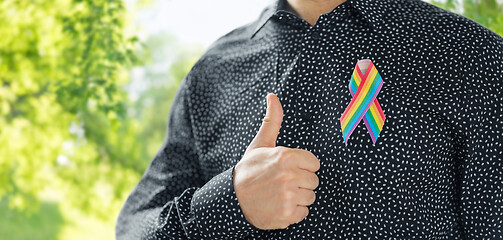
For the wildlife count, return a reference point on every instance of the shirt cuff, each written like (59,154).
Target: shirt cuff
(217,211)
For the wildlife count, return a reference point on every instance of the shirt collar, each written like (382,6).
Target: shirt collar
(371,11)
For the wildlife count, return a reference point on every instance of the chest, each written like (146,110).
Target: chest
(416,98)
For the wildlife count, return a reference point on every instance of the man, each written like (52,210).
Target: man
(425,164)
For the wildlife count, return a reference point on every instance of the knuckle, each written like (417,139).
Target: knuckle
(317,164)
(286,196)
(285,177)
(270,119)
(312,197)
(267,119)
(316,161)
(283,153)
(303,214)
(286,211)
(283,225)
(316,181)
(281,164)
(280,149)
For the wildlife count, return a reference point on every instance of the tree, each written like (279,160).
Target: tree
(68,131)
(62,66)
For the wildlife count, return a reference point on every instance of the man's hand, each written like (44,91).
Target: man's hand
(274,184)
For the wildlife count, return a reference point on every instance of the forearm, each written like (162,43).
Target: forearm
(209,212)
(156,222)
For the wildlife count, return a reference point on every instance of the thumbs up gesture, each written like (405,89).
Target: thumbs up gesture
(274,184)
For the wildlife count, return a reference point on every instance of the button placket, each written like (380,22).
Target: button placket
(315,35)
(308,114)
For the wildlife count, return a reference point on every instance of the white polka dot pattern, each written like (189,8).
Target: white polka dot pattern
(436,171)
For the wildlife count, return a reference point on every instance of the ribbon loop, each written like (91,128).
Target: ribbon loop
(365,84)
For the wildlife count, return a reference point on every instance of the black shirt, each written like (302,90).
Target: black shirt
(435,171)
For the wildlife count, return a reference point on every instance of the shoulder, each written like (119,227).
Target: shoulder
(236,39)
(232,40)
(465,29)
(231,50)
(231,45)
(438,20)
(426,22)
(480,49)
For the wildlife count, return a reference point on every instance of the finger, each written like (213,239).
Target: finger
(307,180)
(305,197)
(271,124)
(306,160)
(301,212)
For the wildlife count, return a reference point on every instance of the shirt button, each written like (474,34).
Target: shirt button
(315,35)
(307,115)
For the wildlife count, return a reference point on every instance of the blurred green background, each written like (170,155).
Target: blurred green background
(75,133)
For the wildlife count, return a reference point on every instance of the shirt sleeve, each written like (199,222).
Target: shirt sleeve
(171,201)
(481,160)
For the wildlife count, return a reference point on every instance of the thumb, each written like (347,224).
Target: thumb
(268,132)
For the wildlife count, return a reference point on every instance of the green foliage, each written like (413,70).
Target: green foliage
(73,145)
(63,63)
(46,223)
(488,13)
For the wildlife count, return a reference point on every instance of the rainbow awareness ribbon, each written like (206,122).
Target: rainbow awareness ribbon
(364,88)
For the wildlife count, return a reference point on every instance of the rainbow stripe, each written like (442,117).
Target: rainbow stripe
(364,105)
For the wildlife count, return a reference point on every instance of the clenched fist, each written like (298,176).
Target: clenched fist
(274,184)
